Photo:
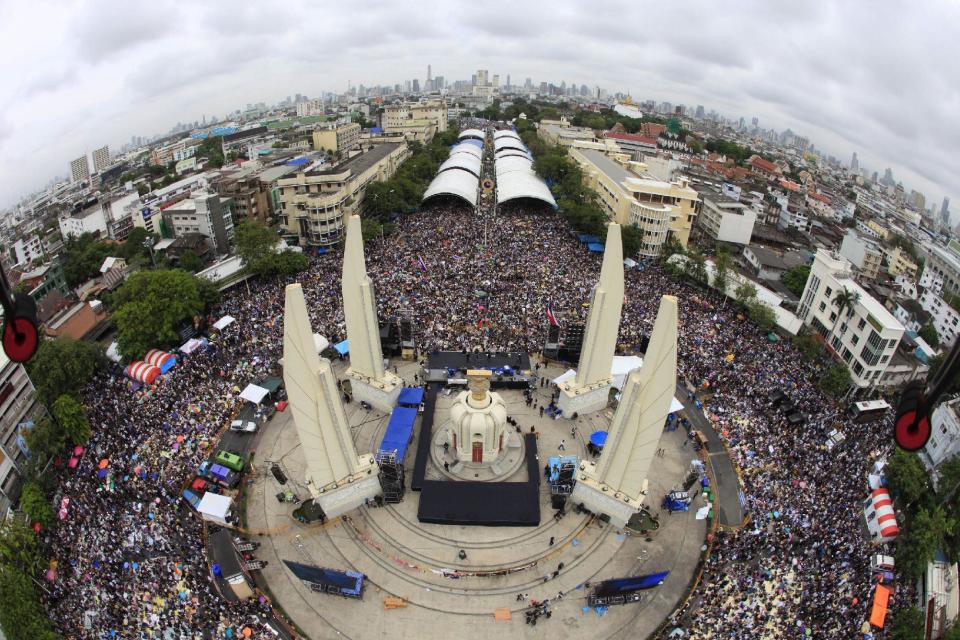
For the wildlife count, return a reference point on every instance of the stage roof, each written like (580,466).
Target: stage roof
(454,182)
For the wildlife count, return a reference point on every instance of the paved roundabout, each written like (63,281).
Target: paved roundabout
(421,562)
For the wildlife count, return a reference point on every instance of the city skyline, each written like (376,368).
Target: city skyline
(115,78)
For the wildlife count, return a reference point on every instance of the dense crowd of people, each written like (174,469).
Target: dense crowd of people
(130,556)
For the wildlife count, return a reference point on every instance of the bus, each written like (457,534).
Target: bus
(868,410)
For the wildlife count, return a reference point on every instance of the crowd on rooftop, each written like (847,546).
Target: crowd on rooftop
(131,554)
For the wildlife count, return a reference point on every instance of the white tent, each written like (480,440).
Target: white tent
(566,375)
(192,345)
(113,352)
(214,507)
(254,393)
(621,366)
(224,322)
(320,342)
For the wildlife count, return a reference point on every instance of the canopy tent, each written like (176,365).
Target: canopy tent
(142,372)
(223,323)
(410,397)
(343,348)
(878,612)
(586,238)
(193,344)
(621,366)
(320,342)
(629,263)
(598,438)
(595,247)
(254,393)
(271,384)
(113,352)
(399,432)
(214,507)
(160,359)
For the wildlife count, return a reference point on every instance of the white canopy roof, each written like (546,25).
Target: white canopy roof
(508,143)
(472,149)
(455,182)
(254,393)
(214,507)
(505,133)
(523,184)
(191,345)
(472,133)
(513,163)
(113,352)
(224,322)
(464,161)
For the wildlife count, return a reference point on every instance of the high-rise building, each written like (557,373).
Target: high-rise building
(508,81)
(101,158)
(888,176)
(755,121)
(945,211)
(429,74)
(80,168)
(854,163)
(416,85)
(439,83)
(480,77)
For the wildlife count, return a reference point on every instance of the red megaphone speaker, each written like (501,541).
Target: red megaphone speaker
(21,336)
(911,427)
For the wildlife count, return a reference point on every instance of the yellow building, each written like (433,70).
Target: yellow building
(339,138)
(314,203)
(560,133)
(631,196)
(899,262)
(881,231)
(416,120)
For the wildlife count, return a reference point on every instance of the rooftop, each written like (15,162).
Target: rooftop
(631,137)
(609,168)
(360,163)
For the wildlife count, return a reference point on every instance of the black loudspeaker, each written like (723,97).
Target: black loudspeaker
(911,428)
(20,334)
(553,333)
(278,474)
(557,501)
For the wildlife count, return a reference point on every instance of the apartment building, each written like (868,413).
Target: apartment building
(898,261)
(205,213)
(18,411)
(629,195)
(863,253)
(338,138)
(723,219)
(863,335)
(314,203)
(945,264)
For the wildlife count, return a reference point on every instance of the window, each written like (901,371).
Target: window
(833,317)
(857,368)
(861,324)
(855,339)
(828,291)
(823,306)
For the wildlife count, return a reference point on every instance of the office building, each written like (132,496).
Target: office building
(723,219)
(27,249)
(80,169)
(205,213)
(339,138)
(415,120)
(863,253)
(630,195)
(101,158)
(314,203)
(18,411)
(898,261)
(864,335)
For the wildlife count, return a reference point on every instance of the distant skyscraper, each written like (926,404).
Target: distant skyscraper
(854,163)
(80,168)
(416,85)
(755,122)
(429,74)
(743,123)
(699,112)
(945,210)
(888,176)
(101,158)
(508,81)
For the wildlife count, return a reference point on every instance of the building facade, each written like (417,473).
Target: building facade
(205,213)
(863,253)
(18,410)
(629,196)
(863,335)
(414,117)
(101,158)
(899,262)
(724,219)
(339,138)
(314,204)
(80,169)
(945,264)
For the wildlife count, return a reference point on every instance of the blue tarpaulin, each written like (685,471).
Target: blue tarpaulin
(586,238)
(411,397)
(298,162)
(598,438)
(595,247)
(626,585)
(398,433)
(343,348)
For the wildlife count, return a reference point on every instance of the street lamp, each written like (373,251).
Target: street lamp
(148,244)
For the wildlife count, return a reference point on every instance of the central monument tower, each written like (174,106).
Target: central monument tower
(479,419)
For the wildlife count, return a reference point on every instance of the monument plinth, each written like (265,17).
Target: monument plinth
(590,390)
(369,379)
(616,485)
(479,418)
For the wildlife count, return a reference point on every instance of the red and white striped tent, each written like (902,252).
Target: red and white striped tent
(880,517)
(160,359)
(142,372)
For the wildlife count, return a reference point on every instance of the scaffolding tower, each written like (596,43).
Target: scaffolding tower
(391,476)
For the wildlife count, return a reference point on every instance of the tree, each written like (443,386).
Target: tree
(927,531)
(22,616)
(907,478)
(952,633)
(745,293)
(762,315)
(212,149)
(632,237)
(44,441)
(670,247)
(808,346)
(929,334)
(796,279)
(35,503)
(836,380)
(19,547)
(151,305)
(63,365)
(721,277)
(285,263)
(697,266)
(844,299)
(83,257)
(190,261)
(70,415)
(253,241)
(908,624)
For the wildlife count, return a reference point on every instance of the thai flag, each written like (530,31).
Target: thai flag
(552,318)
(423,265)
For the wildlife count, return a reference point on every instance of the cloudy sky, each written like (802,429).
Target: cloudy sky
(871,77)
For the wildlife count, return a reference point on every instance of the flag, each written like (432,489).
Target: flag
(552,318)
(423,265)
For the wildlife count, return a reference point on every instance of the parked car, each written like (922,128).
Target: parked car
(244,426)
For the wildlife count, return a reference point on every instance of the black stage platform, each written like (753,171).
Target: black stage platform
(491,504)
(425,435)
(461,360)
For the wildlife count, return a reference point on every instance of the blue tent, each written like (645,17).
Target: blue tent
(598,438)
(586,238)
(343,348)
(411,397)
(595,247)
(298,162)
(399,432)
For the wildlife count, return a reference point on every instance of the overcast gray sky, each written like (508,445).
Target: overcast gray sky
(876,77)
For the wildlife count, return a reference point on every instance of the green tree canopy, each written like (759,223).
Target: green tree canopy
(929,333)
(70,415)
(762,315)
(836,380)
(927,531)
(632,237)
(796,279)
(22,616)
(908,624)
(36,504)
(151,305)
(907,478)
(808,346)
(190,261)
(721,277)
(745,293)
(63,365)
(83,257)
(44,441)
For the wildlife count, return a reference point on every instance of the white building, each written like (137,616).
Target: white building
(946,264)
(28,248)
(18,408)
(89,220)
(724,219)
(946,319)
(205,213)
(864,335)
(101,158)
(793,216)
(944,442)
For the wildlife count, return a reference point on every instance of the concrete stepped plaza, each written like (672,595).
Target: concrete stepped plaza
(419,562)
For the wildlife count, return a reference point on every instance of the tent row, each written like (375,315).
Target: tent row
(459,175)
(515,175)
(155,363)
